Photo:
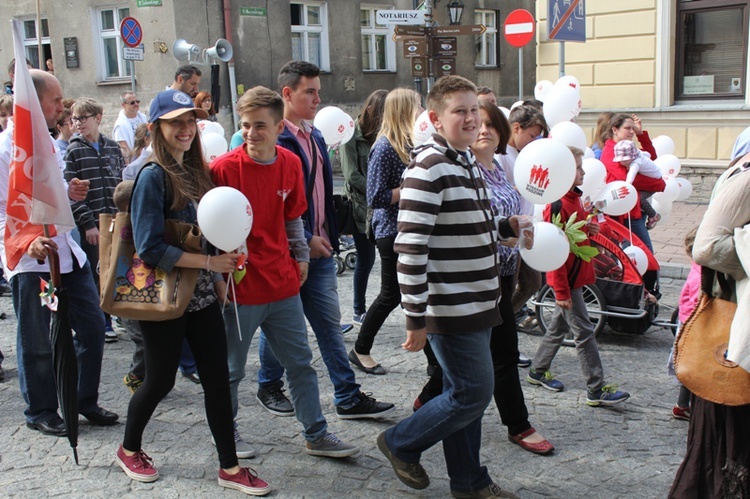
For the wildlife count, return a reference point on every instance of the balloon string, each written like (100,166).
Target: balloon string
(630,229)
(234,302)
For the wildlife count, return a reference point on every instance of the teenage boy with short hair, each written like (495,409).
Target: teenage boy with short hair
(447,271)
(299,85)
(269,294)
(92,156)
(570,308)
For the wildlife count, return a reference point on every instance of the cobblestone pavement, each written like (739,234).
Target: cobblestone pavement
(628,451)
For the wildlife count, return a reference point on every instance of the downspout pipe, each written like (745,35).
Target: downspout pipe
(230,64)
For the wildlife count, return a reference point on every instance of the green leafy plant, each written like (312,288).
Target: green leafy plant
(575,235)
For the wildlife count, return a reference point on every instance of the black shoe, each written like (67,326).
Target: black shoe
(367,407)
(54,427)
(101,417)
(274,401)
(379,370)
(193,376)
(413,475)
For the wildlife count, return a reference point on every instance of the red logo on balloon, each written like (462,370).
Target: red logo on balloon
(423,126)
(620,193)
(539,176)
(341,128)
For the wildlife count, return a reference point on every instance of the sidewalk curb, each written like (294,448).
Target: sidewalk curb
(674,271)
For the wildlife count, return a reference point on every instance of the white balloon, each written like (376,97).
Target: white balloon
(563,103)
(423,129)
(595,177)
(569,134)
(669,164)
(663,145)
(588,153)
(541,89)
(569,81)
(214,145)
(207,126)
(516,104)
(686,188)
(544,171)
(670,193)
(617,198)
(638,257)
(225,217)
(349,132)
(551,248)
(332,123)
(663,208)
(505,111)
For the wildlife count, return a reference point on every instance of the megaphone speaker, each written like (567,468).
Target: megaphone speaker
(222,50)
(185,51)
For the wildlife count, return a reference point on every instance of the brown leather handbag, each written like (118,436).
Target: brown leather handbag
(700,349)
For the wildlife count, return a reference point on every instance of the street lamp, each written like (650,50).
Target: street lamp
(455,10)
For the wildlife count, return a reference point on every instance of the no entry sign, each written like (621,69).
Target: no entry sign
(519,27)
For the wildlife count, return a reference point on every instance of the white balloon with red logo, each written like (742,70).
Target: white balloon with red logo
(686,188)
(550,250)
(670,193)
(333,123)
(423,129)
(569,134)
(544,171)
(617,198)
(595,177)
(214,145)
(563,103)
(225,218)
(638,257)
(669,164)
(541,89)
(663,144)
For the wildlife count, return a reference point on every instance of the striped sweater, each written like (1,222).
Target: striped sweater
(446,243)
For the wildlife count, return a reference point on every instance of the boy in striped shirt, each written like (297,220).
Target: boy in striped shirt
(447,272)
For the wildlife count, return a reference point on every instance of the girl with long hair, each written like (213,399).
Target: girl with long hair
(170,187)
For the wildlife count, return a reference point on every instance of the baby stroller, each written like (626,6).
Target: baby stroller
(349,258)
(618,297)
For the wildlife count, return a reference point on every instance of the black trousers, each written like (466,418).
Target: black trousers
(162,345)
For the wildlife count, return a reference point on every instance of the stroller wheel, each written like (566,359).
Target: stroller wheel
(351,260)
(340,268)
(594,303)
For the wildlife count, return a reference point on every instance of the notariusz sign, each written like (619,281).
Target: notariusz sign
(408,17)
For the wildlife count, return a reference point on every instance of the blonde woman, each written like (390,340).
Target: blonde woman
(388,159)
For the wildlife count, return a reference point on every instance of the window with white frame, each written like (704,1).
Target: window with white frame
(111,65)
(31,42)
(309,22)
(378,47)
(486,44)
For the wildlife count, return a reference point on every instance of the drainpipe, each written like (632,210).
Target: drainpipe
(230,64)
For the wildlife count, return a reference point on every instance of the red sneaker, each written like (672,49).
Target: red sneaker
(681,413)
(139,466)
(246,481)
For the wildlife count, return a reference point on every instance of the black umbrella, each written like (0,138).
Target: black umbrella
(63,353)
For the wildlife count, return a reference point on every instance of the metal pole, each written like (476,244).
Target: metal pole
(520,73)
(132,76)
(40,52)
(428,23)
(562,59)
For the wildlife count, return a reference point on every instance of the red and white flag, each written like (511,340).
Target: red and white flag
(36,190)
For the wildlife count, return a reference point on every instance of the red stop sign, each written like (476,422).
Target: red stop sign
(519,27)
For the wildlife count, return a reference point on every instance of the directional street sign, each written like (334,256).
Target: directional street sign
(415,47)
(469,29)
(566,20)
(131,32)
(444,66)
(410,30)
(519,27)
(418,67)
(444,46)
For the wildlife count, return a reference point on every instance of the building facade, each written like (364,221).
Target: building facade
(680,65)
(356,53)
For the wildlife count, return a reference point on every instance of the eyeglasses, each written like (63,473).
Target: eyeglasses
(66,123)
(133,102)
(81,119)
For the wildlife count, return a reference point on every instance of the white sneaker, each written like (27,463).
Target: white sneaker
(244,450)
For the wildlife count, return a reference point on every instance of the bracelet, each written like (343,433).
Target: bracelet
(208,262)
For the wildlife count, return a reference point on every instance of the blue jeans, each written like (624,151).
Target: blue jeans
(638,226)
(320,301)
(187,360)
(365,261)
(285,330)
(455,416)
(36,375)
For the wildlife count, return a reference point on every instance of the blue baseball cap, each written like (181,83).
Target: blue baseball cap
(171,104)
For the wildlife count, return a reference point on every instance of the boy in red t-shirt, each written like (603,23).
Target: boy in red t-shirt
(268,295)
(570,308)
